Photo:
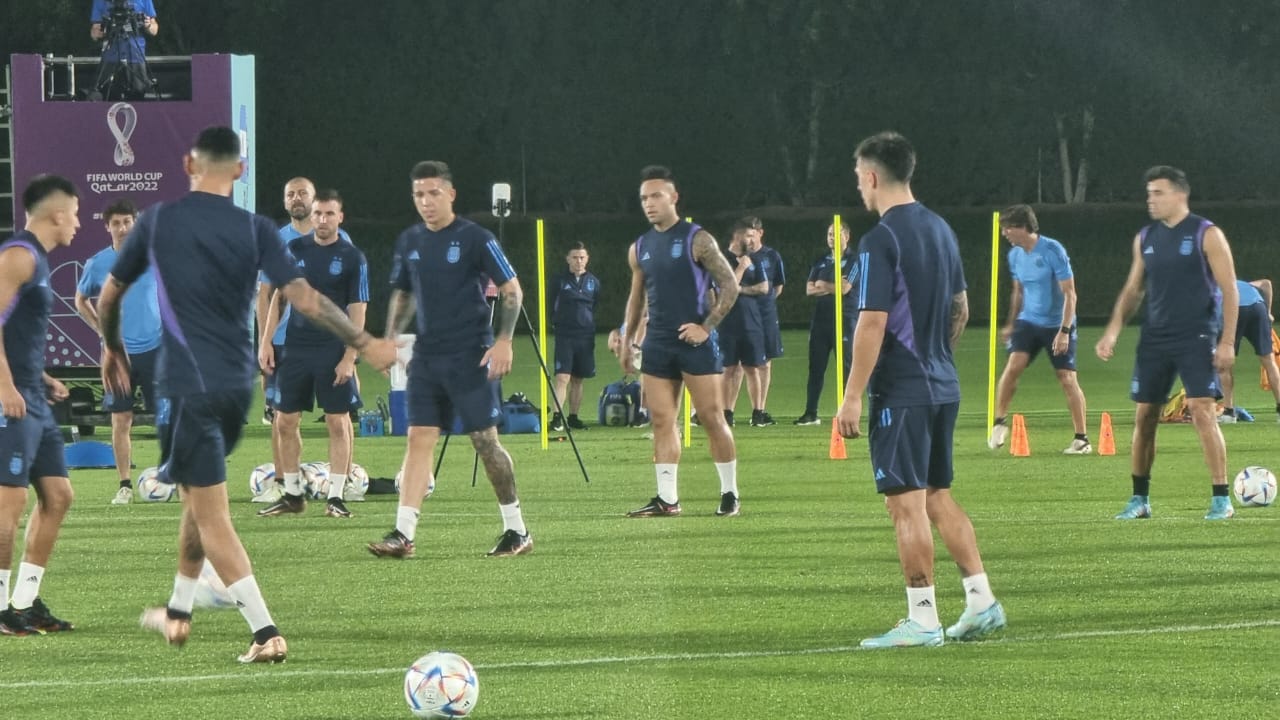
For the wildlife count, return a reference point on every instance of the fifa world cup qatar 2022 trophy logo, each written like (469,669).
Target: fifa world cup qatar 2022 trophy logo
(122,119)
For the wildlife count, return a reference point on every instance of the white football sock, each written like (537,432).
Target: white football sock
(336,485)
(511,518)
(27,585)
(977,593)
(4,588)
(666,473)
(728,477)
(184,593)
(407,521)
(249,599)
(922,607)
(293,484)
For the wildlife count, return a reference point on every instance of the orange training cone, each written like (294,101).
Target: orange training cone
(836,452)
(1020,447)
(1106,438)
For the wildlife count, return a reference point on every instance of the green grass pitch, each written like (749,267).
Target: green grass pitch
(756,616)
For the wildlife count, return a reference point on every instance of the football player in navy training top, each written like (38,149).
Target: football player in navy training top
(30,441)
(440,269)
(912,308)
(1185,264)
(672,268)
(316,365)
(742,335)
(206,253)
(573,313)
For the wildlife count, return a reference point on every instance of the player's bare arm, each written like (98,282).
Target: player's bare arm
(400,312)
(17,266)
(115,361)
(1015,307)
(760,288)
(346,368)
(1218,252)
(498,358)
(634,318)
(1264,287)
(959,316)
(1126,304)
(84,306)
(707,253)
(868,338)
(1062,340)
(323,312)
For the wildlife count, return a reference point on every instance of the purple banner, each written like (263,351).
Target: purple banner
(109,150)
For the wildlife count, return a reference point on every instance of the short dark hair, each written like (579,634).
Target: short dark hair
(431,169)
(120,206)
(218,143)
(327,195)
(1167,172)
(657,172)
(1020,216)
(747,222)
(577,246)
(891,151)
(43,186)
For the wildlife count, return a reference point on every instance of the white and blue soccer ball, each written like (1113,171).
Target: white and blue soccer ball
(262,482)
(441,685)
(1255,486)
(315,478)
(357,484)
(150,489)
(431,485)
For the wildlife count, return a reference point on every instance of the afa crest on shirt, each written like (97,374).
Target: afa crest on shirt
(335,266)
(1185,248)
(454,254)
(591,285)
(677,250)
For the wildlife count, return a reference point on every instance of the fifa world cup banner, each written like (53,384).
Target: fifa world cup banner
(117,150)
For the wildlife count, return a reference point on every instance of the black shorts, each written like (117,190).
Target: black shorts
(142,376)
(442,387)
(672,359)
(1254,325)
(1031,339)
(745,348)
(31,446)
(576,356)
(197,433)
(304,378)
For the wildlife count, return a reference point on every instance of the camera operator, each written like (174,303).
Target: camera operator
(123,26)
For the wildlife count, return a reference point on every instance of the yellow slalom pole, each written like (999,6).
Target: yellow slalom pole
(542,328)
(994,333)
(688,399)
(837,274)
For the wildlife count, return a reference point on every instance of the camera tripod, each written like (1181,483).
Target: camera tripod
(130,77)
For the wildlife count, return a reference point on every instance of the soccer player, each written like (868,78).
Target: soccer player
(1182,263)
(672,266)
(821,286)
(573,314)
(770,262)
(912,309)
(30,441)
(141,330)
(316,368)
(1254,323)
(741,333)
(206,254)
(440,269)
(1042,315)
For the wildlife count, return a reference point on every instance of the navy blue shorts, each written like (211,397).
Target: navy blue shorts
(142,376)
(576,356)
(911,446)
(442,387)
(304,378)
(1254,325)
(743,348)
(1158,364)
(772,339)
(672,359)
(271,393)
(1031,339)
(197,433)
(31,447)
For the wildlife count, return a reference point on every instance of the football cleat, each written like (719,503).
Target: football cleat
(1138,508)
(972,626)
(575,423)
(336,508)
(557,423)
(1078,447)
(512,543)
(760,418)
(907,633)
(808,419)
(124,496)
(1220,509)
(1227,418)
(657,507)
(14,623)
(175,630)
(39,617)
(728,505)
(286,505)
(394,545)
(999,434)
(274,650)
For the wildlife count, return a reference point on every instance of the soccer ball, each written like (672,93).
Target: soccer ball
(262,479)
(315,477)
(150,489)
(357,484)
(431,485)
(1255,486)
(441,685)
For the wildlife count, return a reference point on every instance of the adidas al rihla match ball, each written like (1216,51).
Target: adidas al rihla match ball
(1255,486)
(441,685)
(150,489)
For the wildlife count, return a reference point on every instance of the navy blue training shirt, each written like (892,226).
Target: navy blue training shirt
(573,311)
(339,272)
(745,314)
(824,306)
(26,320)
(447,271)
(206,254)
(1182,296)
(676,285)
(909,266)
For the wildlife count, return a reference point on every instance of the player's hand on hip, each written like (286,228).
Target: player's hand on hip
(497,359)
(1224,356)
(1106,347)
(12,403)
(267,358)
(694,334)
(380,353)
(849,417)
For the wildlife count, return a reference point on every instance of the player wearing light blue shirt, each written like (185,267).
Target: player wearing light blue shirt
(1042,316)
(140,328)
(1253,323)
